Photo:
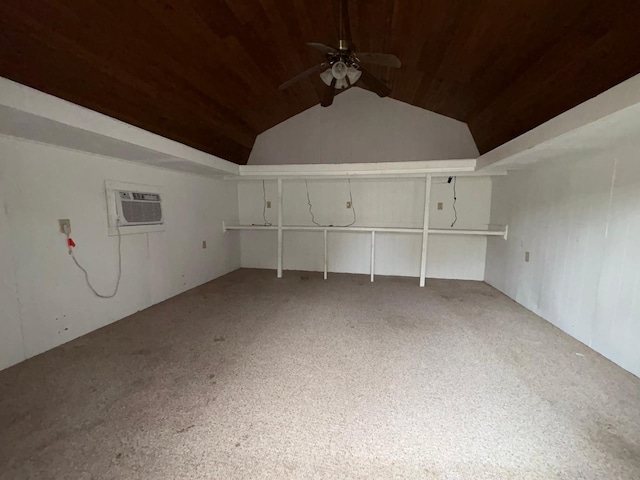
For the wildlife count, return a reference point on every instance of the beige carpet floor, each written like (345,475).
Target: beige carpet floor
(253,377)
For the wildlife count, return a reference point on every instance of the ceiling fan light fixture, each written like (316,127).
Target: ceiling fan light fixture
(354,74)
(350,77)
(326,77)
(339,70)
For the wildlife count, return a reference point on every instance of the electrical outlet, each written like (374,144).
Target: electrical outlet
(65,226)
(440,205)
(268,203)
(204,244)
(526,256)
(348,204)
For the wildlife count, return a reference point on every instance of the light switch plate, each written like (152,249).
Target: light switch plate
(268,203)
(526,256)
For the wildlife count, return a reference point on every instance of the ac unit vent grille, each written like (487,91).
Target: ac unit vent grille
(141,212)
(139,208)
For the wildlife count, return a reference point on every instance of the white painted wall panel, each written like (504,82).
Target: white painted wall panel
(581,222)
(362,127)
(41,184)
(388,202)
(616,331)
(11,347)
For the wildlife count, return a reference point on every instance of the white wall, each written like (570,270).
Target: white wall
(389,202)
(362,127)
(44,299)
(580,221)
(11,347)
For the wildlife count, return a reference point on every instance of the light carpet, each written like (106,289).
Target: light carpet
(300,378)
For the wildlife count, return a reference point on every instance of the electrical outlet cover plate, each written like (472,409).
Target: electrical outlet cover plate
(440,205)
(64,222)
(268,203)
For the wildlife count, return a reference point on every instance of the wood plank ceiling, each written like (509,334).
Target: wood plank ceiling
(206,72)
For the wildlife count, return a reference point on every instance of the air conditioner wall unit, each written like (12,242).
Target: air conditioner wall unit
(133,208)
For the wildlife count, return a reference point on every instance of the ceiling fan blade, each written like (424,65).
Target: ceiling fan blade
(329,93)
(322,47)
(384,59)
(374,84)
(318,68)
(342,90)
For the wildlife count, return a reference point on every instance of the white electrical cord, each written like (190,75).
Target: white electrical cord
(313,218)
(86,274)
(264,205)
(455,198)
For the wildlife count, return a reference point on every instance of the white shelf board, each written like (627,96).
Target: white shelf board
(453,231)
(408,169)
(249,227)
(314,228)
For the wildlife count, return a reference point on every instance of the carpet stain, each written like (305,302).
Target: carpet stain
(453,298)
(487,294)
(138,382)
(185,429)
(219,339)
(142,351)
(606,435)
(399,322)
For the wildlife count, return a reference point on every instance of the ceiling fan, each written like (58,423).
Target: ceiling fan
(342,68)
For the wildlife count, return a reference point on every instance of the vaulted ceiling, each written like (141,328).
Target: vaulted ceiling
(206,72)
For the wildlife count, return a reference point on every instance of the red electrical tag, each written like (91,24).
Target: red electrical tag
(71,243)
